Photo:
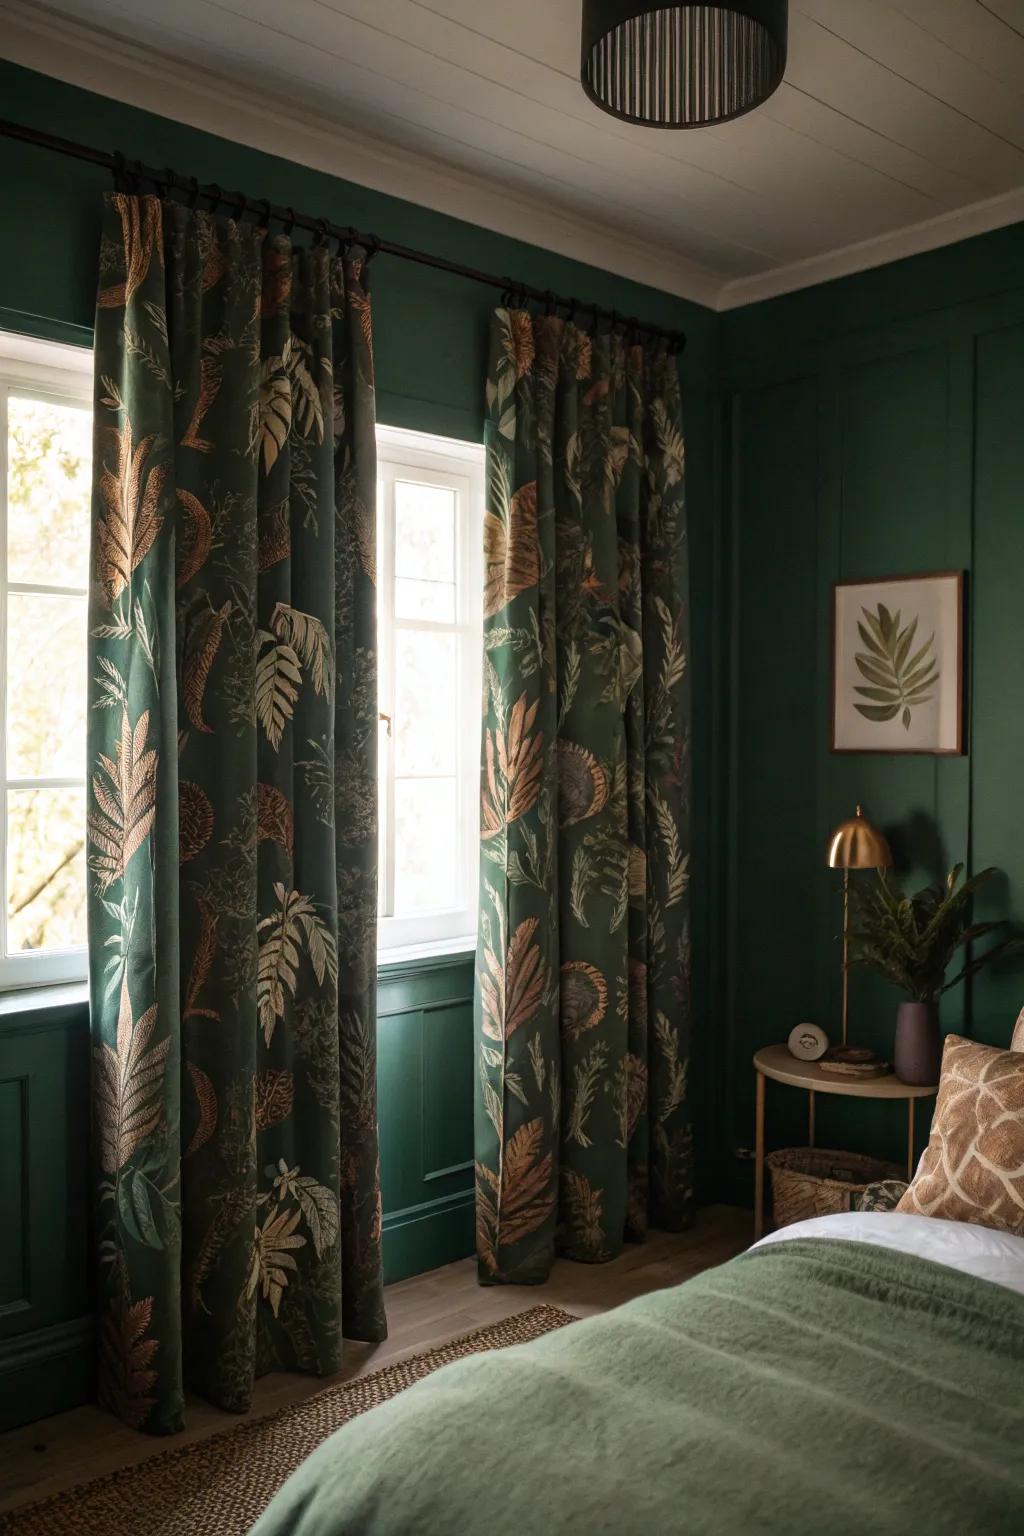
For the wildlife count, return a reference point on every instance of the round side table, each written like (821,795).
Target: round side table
(776,1062)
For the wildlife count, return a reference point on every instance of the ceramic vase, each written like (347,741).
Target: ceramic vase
(917,1053)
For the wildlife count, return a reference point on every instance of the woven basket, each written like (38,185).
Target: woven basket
(811,1181)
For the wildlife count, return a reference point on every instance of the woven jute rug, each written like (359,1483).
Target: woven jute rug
(220,1486)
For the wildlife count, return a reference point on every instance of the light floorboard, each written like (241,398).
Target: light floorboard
(71,1448)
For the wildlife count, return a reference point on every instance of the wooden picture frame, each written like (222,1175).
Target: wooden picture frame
(898,665)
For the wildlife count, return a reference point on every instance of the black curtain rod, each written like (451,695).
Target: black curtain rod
(323,229)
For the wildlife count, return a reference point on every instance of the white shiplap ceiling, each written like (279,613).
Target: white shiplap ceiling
(898,127)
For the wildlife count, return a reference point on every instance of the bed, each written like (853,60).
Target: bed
(849,1374)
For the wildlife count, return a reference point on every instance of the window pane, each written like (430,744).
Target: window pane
(426,695)
(425,600)
(46,674)
(45,869)
(48,489)
(426,845)
(424,531)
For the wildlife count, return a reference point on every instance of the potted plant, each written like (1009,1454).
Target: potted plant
(912,941)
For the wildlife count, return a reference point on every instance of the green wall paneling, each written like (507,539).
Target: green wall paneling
(867,449)
(425,1088)
(45,1328)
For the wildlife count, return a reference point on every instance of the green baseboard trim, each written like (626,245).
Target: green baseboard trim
(46,1372)
(426,1236)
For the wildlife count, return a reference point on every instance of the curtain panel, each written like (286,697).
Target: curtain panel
(232,810)
(583,964)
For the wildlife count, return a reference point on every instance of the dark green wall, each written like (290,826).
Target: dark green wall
(430,341)
(875,427)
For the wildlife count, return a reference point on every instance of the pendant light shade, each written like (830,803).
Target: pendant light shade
(682,66)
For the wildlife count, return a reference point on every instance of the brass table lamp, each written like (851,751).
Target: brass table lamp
(855,844)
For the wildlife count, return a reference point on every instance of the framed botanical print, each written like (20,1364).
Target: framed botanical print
(897,664)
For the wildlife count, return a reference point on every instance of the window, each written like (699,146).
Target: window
(430,511)
(45,469)
(429,625)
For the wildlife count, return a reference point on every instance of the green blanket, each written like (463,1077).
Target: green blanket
(817,1387)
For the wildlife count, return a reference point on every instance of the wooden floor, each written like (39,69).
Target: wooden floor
(72,1448)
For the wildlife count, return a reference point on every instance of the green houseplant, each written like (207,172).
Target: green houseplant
(912,941)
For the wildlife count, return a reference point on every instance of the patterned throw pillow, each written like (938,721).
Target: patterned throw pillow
(1017,1043)
(973,1166)
(883,1195)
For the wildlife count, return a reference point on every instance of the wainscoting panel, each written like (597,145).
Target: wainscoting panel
(45,1332)
(425,1087)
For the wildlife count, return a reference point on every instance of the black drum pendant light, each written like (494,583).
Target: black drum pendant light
(682,66)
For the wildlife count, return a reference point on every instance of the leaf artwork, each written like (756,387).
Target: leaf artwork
(514,765)
(274,1246)
(195,820)
(528,1198)
(196,538)
(141,234)
(275,818)
(131,518)
(278,680)
(203,956)
(511,552)
(124,792)
(308,639)
(273,1093)
(206,1099)
(201,646)
(897,678)
(128,1085)
(511,994)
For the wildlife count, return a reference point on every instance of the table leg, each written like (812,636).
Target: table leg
(810,1117)
(759,1159)
(910,1139)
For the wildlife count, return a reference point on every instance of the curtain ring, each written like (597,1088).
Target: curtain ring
(371,245)
(170,179)
(213,191)
(572,306)
(193,193)
(241,207)
(263,205)
(289,223)
(323,233)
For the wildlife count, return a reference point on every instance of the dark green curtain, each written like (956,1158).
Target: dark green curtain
(232,810)
(583,1126)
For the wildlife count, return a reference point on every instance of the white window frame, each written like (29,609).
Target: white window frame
(45,370)
(460,465)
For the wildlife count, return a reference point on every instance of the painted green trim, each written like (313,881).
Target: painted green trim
(43,328)
(426,1236)
(404,970)
(46,1372)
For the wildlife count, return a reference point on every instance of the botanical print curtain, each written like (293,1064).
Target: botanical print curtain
(232,812)
(583,1126)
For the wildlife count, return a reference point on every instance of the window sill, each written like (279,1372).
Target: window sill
(439,949)
(39,999)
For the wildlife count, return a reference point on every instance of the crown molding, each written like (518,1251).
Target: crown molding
(99,61)
(913,240)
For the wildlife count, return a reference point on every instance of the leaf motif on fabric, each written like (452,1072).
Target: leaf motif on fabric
(677,864)
(487,1187)
(514,770)
(587,1074)
(124,792)
(195,820)
(206,1098)
(141,234)
(274,1094)
(276,293)
(131,519)
(275,820)
(272,1256)
(128,1085)
(309,639)
(203,955)
(668,432)
(319,1206)
(273,409)
(511,993)
(527,1175)
(582,784)
(583,998)
(672,1071)
(209,387)
(125,1361)
(275,535)
(278,680)
(582,1203)
(280,950)
(196,538)
(511,550)
(202,643)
